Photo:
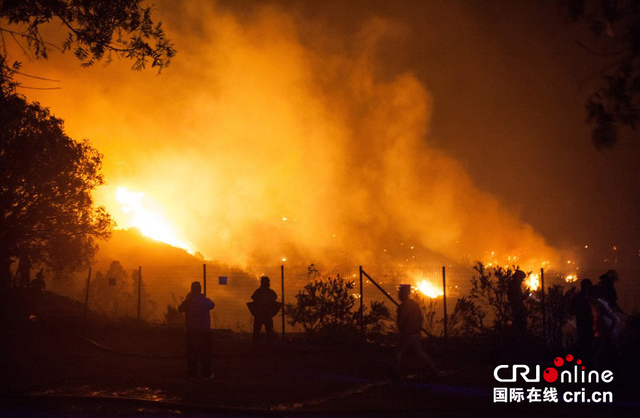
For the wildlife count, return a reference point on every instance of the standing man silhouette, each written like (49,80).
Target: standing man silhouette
(409,328)
(196,308)
(263,310)
(516,301)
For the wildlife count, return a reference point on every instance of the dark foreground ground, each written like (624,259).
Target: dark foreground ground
(59,365)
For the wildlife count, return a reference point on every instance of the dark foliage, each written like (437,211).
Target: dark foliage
(46,180)
(428,307)
(115,294)
(95,29)
(467,318)
(557,302)
(325,309)
(615,26)
(489,289)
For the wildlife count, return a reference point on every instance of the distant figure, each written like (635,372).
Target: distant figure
(38,285)
(196,309)
(605,329)
(516,301)
(263,308)
(24,270)
(580,307)
(607,291)
(409,327)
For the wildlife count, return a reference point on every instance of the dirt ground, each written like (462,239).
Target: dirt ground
(58,364)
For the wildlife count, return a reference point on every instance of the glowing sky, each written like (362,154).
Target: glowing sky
(351,132)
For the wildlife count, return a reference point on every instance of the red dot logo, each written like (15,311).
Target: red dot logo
(550,375)
(569,357)
(579,361)
(558,361)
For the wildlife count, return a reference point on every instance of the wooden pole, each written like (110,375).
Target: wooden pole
(361,304)
(544,321)
(139,289)
(282,293)
(86,298)
(204,279)
(444,298)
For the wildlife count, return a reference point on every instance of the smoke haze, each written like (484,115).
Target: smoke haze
(271,136)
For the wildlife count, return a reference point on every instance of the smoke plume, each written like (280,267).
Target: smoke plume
(259,143)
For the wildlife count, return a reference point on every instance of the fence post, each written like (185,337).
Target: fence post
(204,279)
(282,292)
(86,298)
(139,289)
(544,320)
(444,298)
(361,304)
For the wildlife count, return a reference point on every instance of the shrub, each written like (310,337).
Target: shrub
(325,310)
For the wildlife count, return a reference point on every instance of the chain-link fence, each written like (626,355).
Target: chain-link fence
(163,288)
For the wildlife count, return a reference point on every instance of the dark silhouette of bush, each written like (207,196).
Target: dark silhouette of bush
(325,310)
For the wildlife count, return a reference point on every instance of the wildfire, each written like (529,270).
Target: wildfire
(533,281)
(150,224)
(571,278)
(428,289)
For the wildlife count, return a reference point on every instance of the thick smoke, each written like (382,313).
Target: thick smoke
(259,146)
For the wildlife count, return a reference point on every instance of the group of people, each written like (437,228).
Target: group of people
(597,314)
(595,308)
(264,306)
(197,307)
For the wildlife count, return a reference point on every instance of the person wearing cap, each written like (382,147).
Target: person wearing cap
(196,308)
(263,310)
(409,328)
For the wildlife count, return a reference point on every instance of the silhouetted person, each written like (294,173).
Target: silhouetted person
(516,301)
(38,285)
(196,308)
(605,329)
(263,309)
(607,291)
(409,327)
(24,270)
(580,307)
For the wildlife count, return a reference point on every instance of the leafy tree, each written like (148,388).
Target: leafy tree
(112,292)
(490,289)
(147,305)
(615,26)
(557,302)
(46,179)
(325,309)
(428,307)
(94,29)
(467,318)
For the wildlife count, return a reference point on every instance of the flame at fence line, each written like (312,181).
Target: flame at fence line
(429,289)
(571,278)
(533,281)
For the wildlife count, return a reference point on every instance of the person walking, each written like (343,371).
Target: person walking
(196,308)
(409,328)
